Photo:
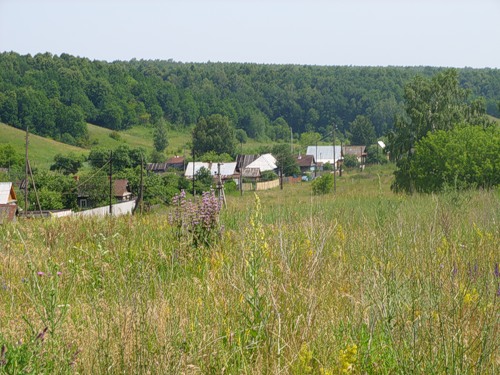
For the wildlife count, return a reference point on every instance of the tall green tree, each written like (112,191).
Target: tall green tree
(67,164)
(214,133)
(160,136)
(362,131)
(432,104)
(285,160)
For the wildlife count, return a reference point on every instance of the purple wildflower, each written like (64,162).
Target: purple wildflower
(59,273)
(40,273)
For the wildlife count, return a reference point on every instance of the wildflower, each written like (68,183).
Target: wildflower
(59,273)
(40,273)
(471,297)
(497,271)
(347,358)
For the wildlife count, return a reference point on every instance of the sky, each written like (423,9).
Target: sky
(448,33)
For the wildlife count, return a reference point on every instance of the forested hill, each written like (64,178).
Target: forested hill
(57,95)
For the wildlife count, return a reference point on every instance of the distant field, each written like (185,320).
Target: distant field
(139,137)
(41,150)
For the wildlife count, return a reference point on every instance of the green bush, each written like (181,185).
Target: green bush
(351,161)
(465,157)
(323,184)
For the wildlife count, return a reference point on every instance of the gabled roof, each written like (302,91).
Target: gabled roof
(121,188)
(7,193)
(243,160)
(324,154)
(266,162)
(305,160)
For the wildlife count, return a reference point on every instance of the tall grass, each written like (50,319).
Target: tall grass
(361,281)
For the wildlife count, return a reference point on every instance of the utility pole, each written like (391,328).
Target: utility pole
(111,183)
(316,161)
(141,197)
(26,175)
(194,191)
(341,158)
(281,177)
(334,164)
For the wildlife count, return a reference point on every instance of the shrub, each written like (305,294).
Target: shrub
(351,161)
(268,176)
(323,184)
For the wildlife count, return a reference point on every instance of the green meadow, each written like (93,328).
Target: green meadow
(41,150)
(357,281)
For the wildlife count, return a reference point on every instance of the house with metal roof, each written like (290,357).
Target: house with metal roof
(325,154)
(266,162)
(227,170)
(193,168)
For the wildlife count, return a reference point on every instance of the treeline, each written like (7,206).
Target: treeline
(56,95)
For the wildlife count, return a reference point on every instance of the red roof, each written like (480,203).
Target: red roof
(176,160)
(305,160)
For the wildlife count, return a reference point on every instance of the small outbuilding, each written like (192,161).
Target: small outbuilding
(8,202)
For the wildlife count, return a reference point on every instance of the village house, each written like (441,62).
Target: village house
(358,151)
(325,154)
(121,192)
(306,163)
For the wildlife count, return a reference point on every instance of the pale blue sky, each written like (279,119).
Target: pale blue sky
(453,33)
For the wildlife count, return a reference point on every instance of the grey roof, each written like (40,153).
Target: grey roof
(157,167)
(324,154)
(226,169)
(250,173)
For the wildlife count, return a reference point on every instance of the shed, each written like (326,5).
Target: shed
(7,193)
(8,202)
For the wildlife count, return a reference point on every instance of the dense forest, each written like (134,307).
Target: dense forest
(56,95)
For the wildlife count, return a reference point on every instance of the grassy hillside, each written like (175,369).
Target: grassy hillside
(361,281)
(41,150)
(140,136)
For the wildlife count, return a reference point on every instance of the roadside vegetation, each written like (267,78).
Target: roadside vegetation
(360,281)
